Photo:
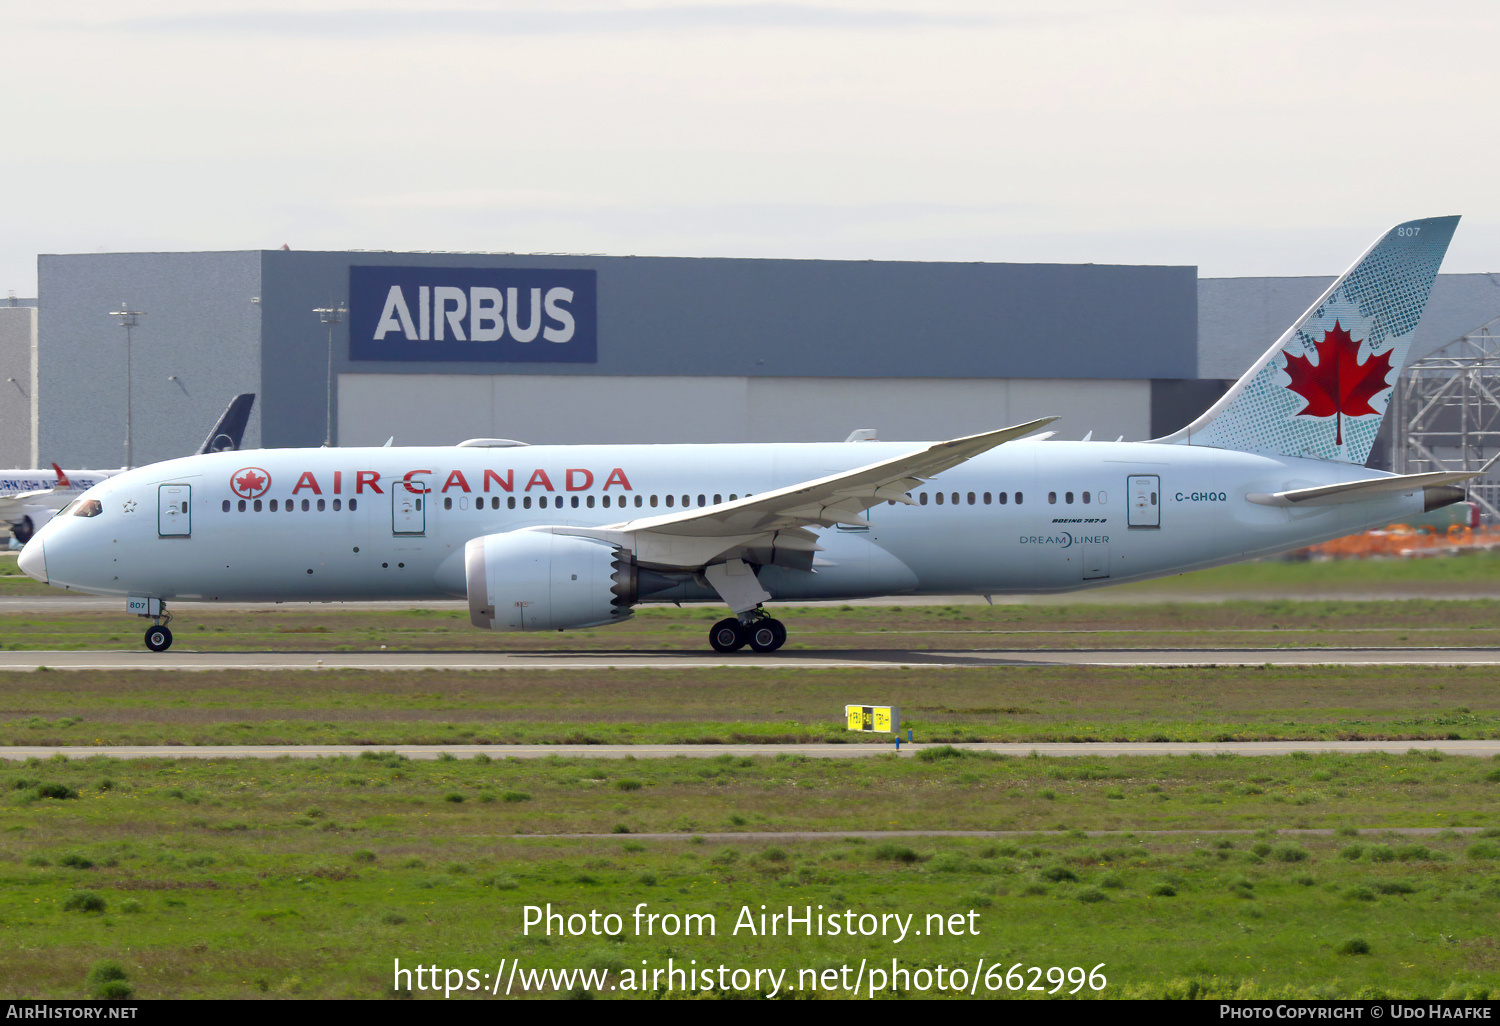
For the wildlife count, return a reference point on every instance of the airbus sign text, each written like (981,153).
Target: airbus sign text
(473,314)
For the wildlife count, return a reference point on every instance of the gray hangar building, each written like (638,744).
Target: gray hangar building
(435,348)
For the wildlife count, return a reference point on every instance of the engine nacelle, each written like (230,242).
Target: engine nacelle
(34,519)
(539,581)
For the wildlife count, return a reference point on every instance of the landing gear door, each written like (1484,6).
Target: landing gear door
(1144,493)
(174,506)
(409,506)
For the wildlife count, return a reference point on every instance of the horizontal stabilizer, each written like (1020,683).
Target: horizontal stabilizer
(1370,488)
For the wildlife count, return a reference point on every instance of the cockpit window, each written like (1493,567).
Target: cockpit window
(70,507)
(86,507)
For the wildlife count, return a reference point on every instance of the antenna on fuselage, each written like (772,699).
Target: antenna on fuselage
(388,442)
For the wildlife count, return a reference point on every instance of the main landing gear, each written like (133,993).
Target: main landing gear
(763,634)
(158,637)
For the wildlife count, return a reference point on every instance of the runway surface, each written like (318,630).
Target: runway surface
(140,659)
(1478,749)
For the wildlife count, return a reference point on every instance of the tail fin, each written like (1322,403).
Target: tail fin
(1322,389)
(230,430)
(62,479)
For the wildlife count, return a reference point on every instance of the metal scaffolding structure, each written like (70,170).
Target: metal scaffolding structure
(1448,412)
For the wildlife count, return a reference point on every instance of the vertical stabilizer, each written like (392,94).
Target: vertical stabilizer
(227,434)
(1322,389)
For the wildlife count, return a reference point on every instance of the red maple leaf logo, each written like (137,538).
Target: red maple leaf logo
(1338,385)
(250,482)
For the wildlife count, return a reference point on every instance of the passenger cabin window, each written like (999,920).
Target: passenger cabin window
(510,502)
(638,502)
(526,502)
(242,505)
(922,498)
(226,505)
(1018,498)
(1068,498)
(274,507)
(257,505)
(1085,498)
(353,505)
(338,504)
(89,508)
(1052,497)
(321,507)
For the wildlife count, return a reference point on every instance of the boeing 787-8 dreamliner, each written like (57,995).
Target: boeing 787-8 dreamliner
(560,537)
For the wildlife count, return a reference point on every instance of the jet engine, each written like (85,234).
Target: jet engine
(539,581)
(35,519)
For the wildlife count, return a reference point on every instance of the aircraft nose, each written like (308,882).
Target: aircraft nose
(33,561)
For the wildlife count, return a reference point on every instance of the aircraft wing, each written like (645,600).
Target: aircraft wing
(692,538)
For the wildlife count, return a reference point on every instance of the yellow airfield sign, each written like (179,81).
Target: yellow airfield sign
(875,719)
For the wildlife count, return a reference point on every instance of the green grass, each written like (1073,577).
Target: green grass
(1249,605)
(1270,623)
(1478,569)
(233,879)
(621,706)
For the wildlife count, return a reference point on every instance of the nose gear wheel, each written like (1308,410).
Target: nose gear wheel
(158,638)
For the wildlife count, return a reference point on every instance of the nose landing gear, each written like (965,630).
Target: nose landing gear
(763,634)
(158,637)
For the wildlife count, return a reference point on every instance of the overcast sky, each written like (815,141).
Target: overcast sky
(1255,138)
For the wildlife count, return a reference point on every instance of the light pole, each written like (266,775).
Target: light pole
(330,315)
(127,321)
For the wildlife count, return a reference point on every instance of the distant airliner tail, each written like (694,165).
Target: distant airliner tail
(62,479)
(1322,390)
(229,432)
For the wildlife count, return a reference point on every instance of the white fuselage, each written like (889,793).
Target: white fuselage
(347,525)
